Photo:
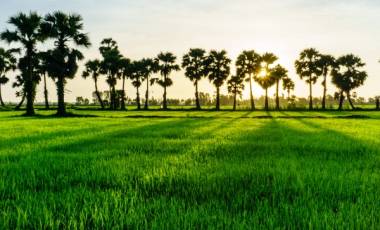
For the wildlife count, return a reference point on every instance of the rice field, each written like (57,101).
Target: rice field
(188,169)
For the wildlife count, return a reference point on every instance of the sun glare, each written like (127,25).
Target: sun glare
(263,73)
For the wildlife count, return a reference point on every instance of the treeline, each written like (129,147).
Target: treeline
(60,63)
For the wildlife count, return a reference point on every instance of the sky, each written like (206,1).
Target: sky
(143,28)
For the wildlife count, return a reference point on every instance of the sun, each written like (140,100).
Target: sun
(263,73)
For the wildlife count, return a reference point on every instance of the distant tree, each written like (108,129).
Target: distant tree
(347,75)
(278,73)
(7,63)
(62,62)
(92,68)
(288,85)
(236,85)
(125,71)
(194,63)
(165,65)
(248,62)
(218,70)
(326,63)
(265,78)
(28,33)
(110,66)
(307,67)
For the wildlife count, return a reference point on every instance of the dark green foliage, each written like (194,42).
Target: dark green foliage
(235,85)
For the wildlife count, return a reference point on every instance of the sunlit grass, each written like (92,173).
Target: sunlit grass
(201,170)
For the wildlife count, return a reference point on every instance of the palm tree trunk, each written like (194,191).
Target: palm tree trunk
(234,108)
(266,100)
(341,99)
(114,97)
(147,94)
(21,102)
(217,99)
(251,93)
(377,103)
(349,100)
(198,104)
(1,99)
(46,94)
(29,88)
(138,98)
(311,95)
(277,97)
(98,94)
(123,95)
(288,95)
(165,106)
(61,111)
(324,92)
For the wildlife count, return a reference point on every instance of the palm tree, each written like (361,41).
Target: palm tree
(326,63)
(125,68)
(93,70)
(278,73)
(62,61)
(218,70)
(110,65)
(28,33)
(137,76)
(43,70)
(166,65)
(249,64)
(194,63)
(149,67)
(288,85)
(7,63)
(347,75)
(265,78)
(307,66)
(236,85)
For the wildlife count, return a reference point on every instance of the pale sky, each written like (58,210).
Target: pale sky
(143,28)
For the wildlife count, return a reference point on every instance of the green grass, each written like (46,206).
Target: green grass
(190,169)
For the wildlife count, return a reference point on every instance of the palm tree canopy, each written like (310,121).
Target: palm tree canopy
(308,65)
(65,28)
(268,79)
(112,59)
(166,63)
(236,83)
(137,69)
(194,63)
(27,30)
(288,83)
(63,62)
(218,67)
(279,72)
(248,62)
(326,63)
(347,74)
(7,60)
(92,68)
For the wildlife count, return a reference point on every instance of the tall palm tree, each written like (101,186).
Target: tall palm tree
(7,63)
(218,70)
(166,65)
(236,85)
(194,63)
(278,73)
(110,66)
(288,85)
(125,71)
(27,32)
(137,76)
(248,62)
(93,70)
(307,67)
(43,70)
(62,62)
(326,63)
(348,75)
(265,78)
(149,67)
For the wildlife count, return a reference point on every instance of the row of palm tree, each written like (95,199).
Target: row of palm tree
(61,64)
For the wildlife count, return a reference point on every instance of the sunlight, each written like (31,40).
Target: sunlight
(263,73)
